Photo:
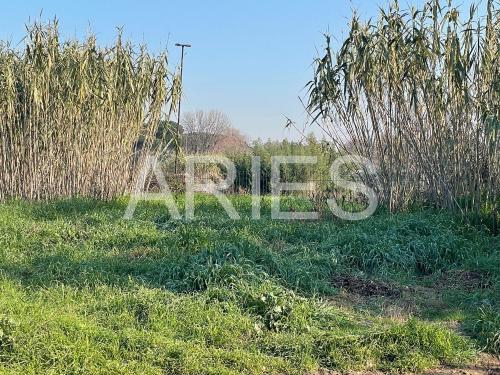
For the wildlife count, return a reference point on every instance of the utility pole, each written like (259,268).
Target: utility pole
(179,106)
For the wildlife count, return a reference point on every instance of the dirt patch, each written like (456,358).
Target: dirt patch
(365,287)
(399,302)
(485,365)
(464,279)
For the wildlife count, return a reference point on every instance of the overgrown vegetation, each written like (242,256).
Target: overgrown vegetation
(83,290)
(318,173)
(418,92)
(71,115)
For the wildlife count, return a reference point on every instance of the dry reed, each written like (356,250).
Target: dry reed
(72,115)
(418,92)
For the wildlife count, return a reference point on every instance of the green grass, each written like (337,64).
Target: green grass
(83,291)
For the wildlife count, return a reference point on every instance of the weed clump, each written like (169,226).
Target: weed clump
(6,335)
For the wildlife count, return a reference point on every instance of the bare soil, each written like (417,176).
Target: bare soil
(465,280)
(485,365)
(366,287)
(397,301)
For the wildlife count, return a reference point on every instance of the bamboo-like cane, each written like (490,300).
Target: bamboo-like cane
(418,92)
(72,115)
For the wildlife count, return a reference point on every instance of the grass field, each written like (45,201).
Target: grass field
(83,291)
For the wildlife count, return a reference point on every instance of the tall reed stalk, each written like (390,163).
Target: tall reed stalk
(418,92)
(71,115)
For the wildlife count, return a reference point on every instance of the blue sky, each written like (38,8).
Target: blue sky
(250,59)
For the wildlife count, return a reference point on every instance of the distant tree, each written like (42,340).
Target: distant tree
(231,141)
(167,130)
(167,133)
(203,130)
(164,137)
